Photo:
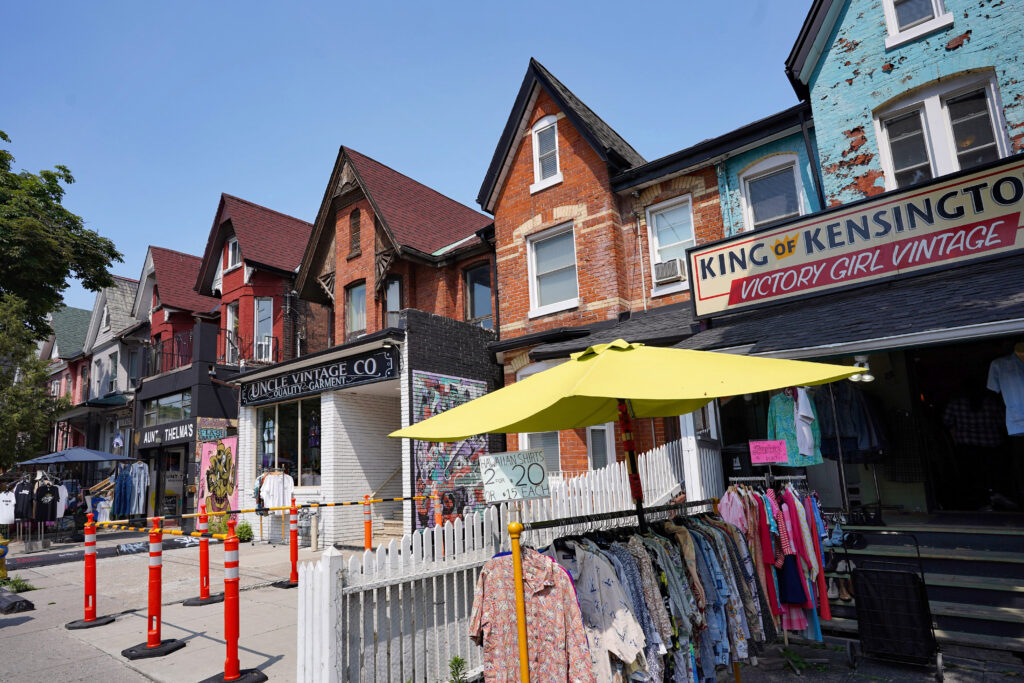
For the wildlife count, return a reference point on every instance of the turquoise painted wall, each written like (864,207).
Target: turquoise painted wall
(857,74)
(730,170)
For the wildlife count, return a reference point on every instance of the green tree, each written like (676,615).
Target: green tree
(26,408)
(43,245)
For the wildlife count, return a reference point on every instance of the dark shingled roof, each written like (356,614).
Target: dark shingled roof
(417,216)
(71,327)
(265,237)
(120,299)
(609,145)
(175,276)
(661,326)
(973,294)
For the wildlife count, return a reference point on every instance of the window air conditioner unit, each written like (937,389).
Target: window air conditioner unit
(668,271)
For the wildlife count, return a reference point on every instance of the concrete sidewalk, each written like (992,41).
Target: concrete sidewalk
(45,649)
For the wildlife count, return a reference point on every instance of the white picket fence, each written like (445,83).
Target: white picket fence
(401,613)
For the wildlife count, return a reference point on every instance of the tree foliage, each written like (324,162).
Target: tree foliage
(43,245)
(26,408)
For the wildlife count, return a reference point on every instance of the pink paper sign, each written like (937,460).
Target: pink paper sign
(767,452)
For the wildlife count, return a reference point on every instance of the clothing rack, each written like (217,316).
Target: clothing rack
(515,530)
(767,479)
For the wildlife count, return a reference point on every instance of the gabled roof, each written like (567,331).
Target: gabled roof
(119,301)
(70,327)
(418,219)
(175,274)
(266,238)
(810,43)
(609,145)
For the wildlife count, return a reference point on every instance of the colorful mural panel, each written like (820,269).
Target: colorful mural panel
(218,467)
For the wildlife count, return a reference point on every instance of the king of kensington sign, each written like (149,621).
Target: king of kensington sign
(364,368)
(944,224)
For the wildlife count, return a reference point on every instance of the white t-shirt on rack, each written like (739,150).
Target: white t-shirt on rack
(7,507)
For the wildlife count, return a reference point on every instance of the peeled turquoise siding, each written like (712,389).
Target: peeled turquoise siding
(729,182)
(857,75)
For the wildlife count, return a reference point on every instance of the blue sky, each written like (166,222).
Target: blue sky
(158,108)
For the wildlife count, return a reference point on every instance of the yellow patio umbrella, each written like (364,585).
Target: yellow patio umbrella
(608,382)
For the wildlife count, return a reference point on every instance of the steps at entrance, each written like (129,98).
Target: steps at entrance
(387,529)
(974,576)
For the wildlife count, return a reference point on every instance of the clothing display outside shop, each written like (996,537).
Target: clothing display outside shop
(7,502)
(860,431)
(793,418)
(274,489)
(673,604)
(130,485)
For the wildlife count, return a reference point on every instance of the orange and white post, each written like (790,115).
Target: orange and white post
(154,646)
(367,524)
(90,620)
(293,541)
(203,526)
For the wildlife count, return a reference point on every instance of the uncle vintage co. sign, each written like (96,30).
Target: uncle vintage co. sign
(364,368)
(946,224)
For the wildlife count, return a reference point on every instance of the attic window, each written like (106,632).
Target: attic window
(234,253)
(908,20)
(546,171)
(353,234)
(106,317)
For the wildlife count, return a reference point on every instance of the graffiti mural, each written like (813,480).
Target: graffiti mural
(217,470)
(450,468)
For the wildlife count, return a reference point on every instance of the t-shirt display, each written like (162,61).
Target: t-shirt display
(23,500)
(785,411)
(7,507)
(1006,377)
(47,497)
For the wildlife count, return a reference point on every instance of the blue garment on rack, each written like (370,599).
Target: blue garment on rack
(122,506)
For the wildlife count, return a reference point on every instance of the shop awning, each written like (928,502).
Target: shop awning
(971,302)
(107,401)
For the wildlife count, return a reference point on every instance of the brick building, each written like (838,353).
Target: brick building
(407,273)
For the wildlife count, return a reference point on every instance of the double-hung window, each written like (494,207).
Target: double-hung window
(948,127)
(771,191)
(552,266)
(545,441)
(670,234)
(263,343)
(546,171)
(234,253)
(601,445)
(355,310)
(392,301)
(908,20)
(478,296)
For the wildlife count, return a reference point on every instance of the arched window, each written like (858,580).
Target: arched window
(546,170)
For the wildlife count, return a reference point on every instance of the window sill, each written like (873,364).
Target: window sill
(354,254)
(673,288)
(904,37)
(231,268)
(546,183)
(553,308)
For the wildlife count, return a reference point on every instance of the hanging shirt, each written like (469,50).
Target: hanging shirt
(804,420)
(558,646)
(276,490)
(47,497)
(23,501)
(140,483)
(1006,377)
(782,427)
(7,501)
(62,500)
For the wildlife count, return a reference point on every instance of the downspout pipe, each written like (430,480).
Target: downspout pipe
(813,159)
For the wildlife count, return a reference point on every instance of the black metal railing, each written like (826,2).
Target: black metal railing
(236,349)
(169,354)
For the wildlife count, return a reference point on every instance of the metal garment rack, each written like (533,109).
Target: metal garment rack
(515,530)
(767,479)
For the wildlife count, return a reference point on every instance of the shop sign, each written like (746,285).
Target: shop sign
(181,431)
(767,452)
(364,368)
(946,224)
(516,475)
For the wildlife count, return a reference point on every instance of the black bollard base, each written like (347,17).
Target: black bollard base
(197,602)
(82,623)
(285,583)
(165,648)
(247,676)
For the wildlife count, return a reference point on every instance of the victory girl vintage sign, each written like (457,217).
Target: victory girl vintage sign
(946,224)
(364,368)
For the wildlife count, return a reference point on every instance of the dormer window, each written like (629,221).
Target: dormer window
(910,19)
(106,317)
(234,253)
(546,171)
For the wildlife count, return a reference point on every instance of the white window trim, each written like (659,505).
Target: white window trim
(256,322)
(940,20)
(767,166)
(652,249)
(938,131)
(533,369)
(609,435)
(538,184)
(535,310)
(231,267)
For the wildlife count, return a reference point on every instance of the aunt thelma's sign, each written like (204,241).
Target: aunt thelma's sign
(944,224)
(372,366)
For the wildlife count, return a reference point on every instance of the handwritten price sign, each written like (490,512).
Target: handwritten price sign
(767,452)
(516,475)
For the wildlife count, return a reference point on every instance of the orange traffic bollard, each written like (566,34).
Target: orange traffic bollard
(90,618)
(204,565)
(293,548)
(232,672)
(367,524)
(154,646)
(438,516)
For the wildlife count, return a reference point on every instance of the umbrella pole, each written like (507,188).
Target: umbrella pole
(514,530)
(635,487)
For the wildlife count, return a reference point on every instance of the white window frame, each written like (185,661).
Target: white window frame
(940,20)
(267,351)
(523,373)
(537,310)
(609,436)
(652,246)
(232,245)
(106,317)
(767,166)
(538,183)
(113,359)
(938,130)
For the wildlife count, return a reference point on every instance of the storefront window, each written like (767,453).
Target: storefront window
(288,438)
(167,409)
